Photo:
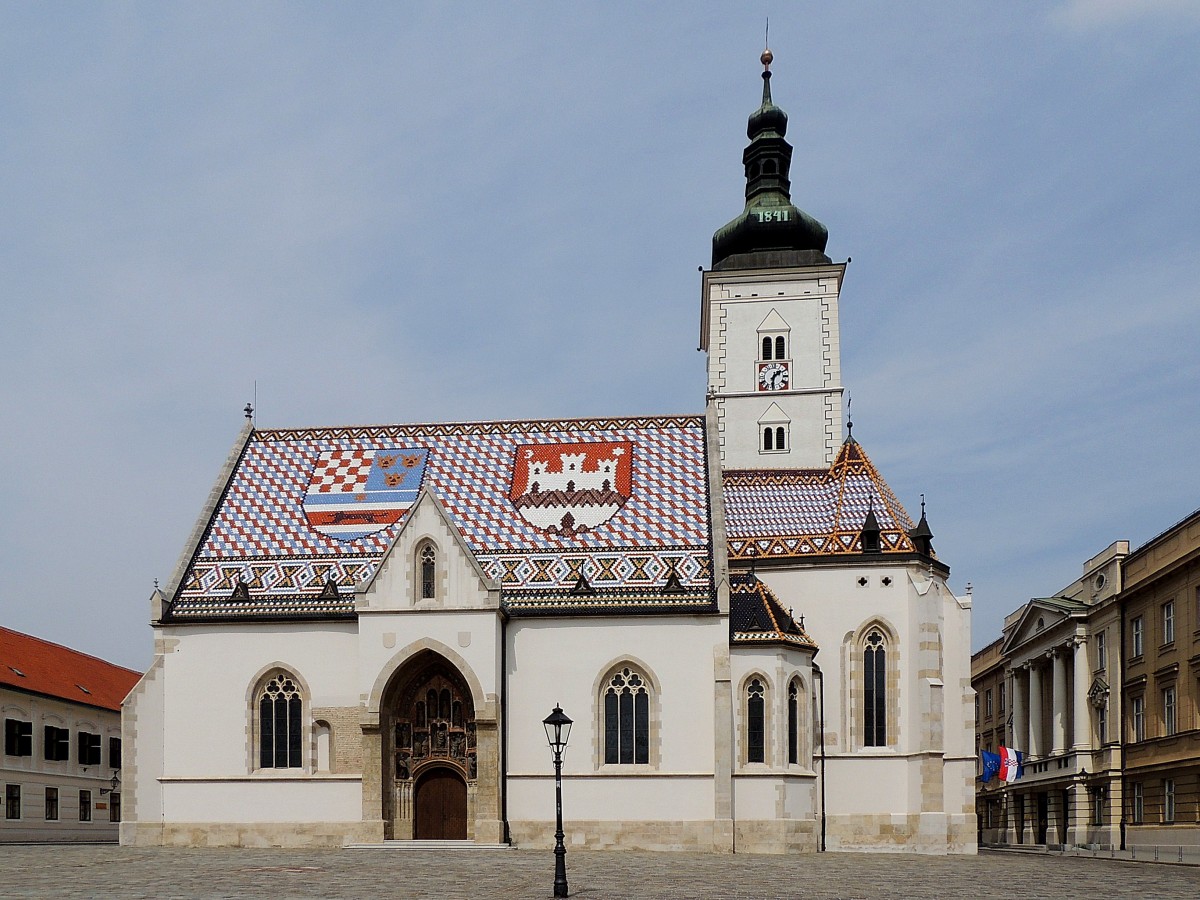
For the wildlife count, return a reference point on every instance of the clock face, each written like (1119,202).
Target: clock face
(773,376)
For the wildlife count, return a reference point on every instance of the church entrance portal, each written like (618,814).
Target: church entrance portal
(440,805)
(432,764)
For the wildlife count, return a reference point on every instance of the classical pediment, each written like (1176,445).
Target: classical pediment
(1040,616)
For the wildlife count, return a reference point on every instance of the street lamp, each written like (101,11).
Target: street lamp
(558,729)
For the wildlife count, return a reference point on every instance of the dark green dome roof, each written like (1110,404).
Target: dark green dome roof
(771,231)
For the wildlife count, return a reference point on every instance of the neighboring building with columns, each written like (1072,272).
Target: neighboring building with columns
(1160,609)
(1062,673)
(368,624)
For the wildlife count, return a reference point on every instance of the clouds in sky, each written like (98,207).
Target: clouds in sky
(382,213)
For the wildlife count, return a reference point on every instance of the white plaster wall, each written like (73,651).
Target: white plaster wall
(561,661)
(387,640)
(210,672)
(808,304)
(646,798)
(263,800)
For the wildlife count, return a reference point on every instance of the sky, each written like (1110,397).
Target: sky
(374,212)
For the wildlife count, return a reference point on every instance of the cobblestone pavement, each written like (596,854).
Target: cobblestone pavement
(117,873)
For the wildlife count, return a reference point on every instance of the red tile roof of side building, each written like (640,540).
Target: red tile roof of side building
(36,666)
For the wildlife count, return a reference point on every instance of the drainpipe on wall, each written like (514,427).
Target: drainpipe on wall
(1121,719)
(507,836)
(821,700)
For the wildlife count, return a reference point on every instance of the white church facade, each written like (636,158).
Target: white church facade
(757,645)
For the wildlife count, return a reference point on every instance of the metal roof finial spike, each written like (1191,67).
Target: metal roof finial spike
(922,506)
(849,418)
(767,56)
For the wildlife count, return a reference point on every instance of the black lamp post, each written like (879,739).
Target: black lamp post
(558,729)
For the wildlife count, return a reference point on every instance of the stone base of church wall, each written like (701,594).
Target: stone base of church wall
(776,836)
(249,834)
(933,833)
(696,837)
(748,836)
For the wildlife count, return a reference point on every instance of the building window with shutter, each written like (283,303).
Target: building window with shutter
(18,738)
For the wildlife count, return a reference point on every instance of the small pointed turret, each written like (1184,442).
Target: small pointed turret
(921,536)
(870,532)
(771,231)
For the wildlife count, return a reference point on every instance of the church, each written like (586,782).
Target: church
(756,644)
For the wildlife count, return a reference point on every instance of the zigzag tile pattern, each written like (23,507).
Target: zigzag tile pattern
(259,533)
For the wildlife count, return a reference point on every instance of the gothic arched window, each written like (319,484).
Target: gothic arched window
(280,723)
(875,689)
(793,720)
(627,718)
(428,567)
(756,722)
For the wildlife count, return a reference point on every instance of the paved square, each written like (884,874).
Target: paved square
(118,873)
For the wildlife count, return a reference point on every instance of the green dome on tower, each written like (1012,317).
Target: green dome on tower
(771,232)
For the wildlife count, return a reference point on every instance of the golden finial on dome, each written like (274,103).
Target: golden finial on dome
(766,58)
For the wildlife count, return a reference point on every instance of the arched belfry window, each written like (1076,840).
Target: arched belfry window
(780,438)
(280,723)
(627,718)
(875,689)
(766,348)
(768,438)
(756,721)
(427,570)
(780,347)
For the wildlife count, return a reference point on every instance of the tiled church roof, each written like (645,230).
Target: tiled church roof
(812,512)
(757,617)
(39,667)
(596,514)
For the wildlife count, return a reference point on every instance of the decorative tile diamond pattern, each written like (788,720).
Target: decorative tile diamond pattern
(811,512)
(260,534)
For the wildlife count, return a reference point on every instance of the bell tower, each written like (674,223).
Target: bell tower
(769,316)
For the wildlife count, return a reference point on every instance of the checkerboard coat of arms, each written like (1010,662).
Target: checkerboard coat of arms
(354,493)
(570,488)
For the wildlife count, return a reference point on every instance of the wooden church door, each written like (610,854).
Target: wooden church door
(440,806)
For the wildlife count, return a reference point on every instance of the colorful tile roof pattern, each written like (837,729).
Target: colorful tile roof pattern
(40,667)
(620,503)
(811,512)
(757,617)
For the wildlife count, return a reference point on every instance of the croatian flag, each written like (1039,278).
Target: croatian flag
(991,765)
(1012,764)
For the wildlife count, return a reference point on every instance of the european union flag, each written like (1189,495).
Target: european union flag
(991,765)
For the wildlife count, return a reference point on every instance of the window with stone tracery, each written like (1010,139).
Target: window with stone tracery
(756,721)
(875,690)
(280,724)
(428,567)
(793,714)
(627,718)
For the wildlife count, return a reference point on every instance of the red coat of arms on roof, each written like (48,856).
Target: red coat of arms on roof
(571,488)
(353,493)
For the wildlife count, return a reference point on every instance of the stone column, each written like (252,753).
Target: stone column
(1059,701)
(1082,710)
(1036,744)
(1019,739)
